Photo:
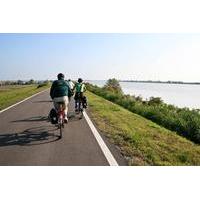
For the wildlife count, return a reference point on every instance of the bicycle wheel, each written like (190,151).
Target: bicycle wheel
(60,128)
(79,106)
(81,110)
(60,120)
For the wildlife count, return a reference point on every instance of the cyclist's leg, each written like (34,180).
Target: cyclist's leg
(66,104)
(79,104)
(82,100)
(76,104)
(76,98)
(56,105)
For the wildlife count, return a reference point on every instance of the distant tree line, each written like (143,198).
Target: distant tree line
(183,121)
(22,82)
(166,82)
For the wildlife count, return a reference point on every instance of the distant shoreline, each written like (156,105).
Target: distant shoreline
(165,82)
(149,81)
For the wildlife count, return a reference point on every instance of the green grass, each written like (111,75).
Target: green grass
(13,94)
(141,141)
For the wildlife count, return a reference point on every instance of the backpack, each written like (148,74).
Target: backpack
(53,116)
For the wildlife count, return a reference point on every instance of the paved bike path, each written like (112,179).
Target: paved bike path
(27,138)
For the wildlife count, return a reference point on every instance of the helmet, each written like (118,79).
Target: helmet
(61,76)
(80,80)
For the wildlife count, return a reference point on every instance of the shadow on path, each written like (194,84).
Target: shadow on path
(47,101)
(33,119)
(29,137)
(72,116)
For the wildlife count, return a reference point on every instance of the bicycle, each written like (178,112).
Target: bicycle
(61,118)
(80,107)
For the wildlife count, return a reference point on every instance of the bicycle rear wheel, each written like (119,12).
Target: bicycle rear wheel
(60,129)
(61,120)
(81,109)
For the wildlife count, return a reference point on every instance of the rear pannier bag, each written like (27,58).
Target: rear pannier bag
(53,116)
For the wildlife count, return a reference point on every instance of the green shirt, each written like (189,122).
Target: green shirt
(60,88)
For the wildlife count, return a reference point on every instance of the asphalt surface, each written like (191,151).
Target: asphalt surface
(28,138)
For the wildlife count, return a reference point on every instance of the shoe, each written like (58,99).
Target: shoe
(66,120)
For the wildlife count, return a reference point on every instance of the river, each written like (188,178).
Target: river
(180,95)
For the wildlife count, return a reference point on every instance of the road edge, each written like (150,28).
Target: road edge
(107,153)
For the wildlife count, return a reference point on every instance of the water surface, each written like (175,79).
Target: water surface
(181,95)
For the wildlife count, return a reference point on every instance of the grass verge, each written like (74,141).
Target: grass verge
(10,95)
(141,141)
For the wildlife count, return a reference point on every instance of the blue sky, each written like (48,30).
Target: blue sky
(100,56)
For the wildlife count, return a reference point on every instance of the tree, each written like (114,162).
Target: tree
(155,101)
(31,82)
(20,82)
(113,86)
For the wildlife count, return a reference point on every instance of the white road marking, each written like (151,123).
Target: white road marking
(110,158)
(1,111)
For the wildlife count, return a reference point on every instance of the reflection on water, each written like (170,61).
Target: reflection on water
(177,94)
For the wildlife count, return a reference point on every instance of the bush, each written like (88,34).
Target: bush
(113,86)
(45,83)
(155,101)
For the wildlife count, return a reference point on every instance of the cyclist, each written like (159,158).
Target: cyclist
(71,84)
(79,94)
(60,92)
(72,87)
